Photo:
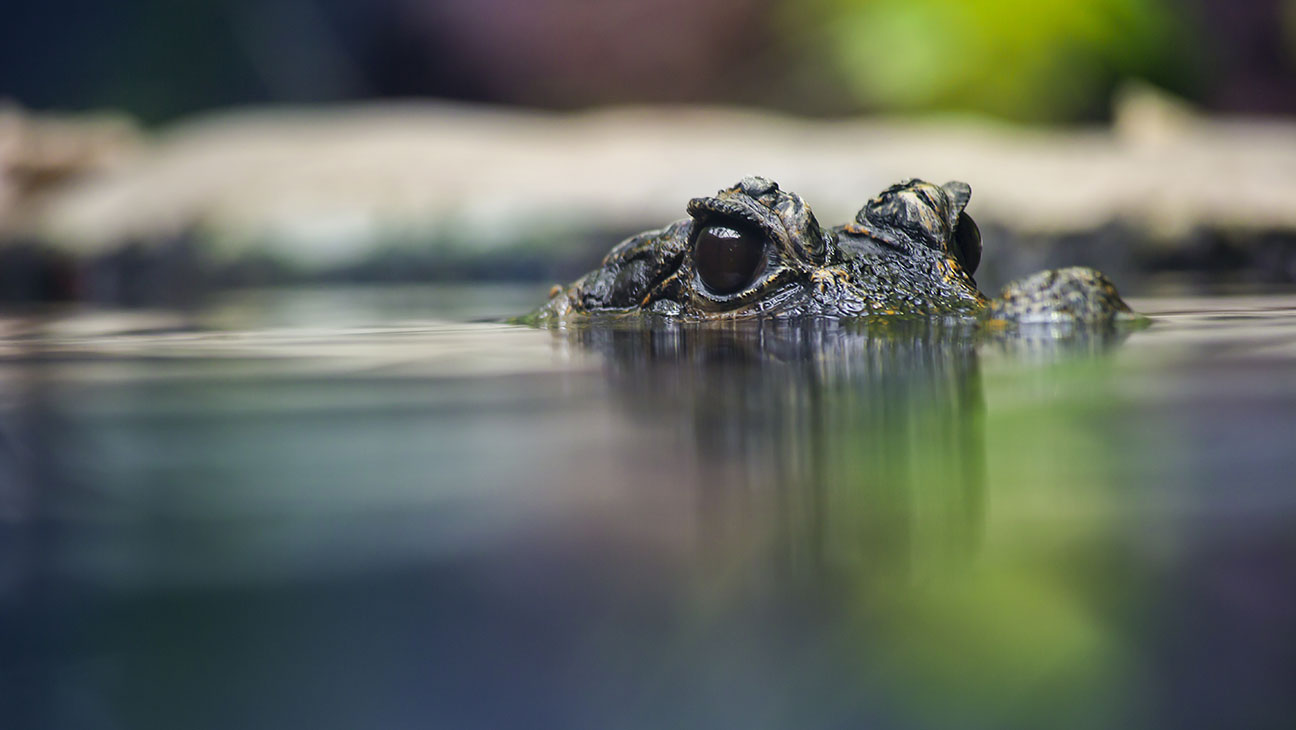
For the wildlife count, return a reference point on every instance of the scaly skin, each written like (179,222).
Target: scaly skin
(910,251)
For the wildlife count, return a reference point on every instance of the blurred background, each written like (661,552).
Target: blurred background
(1059,62)
(221,142)
(306,478)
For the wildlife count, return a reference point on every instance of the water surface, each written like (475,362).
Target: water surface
(359,508)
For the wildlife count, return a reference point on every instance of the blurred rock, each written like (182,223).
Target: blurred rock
(430,188)
(40,154)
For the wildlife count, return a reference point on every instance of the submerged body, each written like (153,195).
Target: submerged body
(754,250)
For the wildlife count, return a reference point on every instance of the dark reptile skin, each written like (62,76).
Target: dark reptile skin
(910,251)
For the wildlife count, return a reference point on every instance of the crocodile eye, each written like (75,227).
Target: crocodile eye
(728,260)
(967,243)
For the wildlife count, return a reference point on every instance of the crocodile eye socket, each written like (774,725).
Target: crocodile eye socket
(727,259)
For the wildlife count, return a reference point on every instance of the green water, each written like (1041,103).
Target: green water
(358,508)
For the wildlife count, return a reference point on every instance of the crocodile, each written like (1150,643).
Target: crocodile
(756,251)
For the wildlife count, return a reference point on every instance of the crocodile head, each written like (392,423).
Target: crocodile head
(754,250)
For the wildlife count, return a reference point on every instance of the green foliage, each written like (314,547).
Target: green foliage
(1021,59)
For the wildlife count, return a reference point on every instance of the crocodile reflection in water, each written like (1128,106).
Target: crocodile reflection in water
(820,434)
(756,251)
(852,441)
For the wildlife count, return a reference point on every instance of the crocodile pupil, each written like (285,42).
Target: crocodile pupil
(727,260)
